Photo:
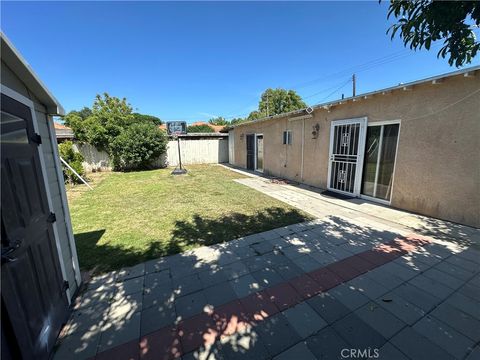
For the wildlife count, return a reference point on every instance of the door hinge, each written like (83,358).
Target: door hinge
(66,285)
(52,218)
(37,139)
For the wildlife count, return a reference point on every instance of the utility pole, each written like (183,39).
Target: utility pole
(353,84)
(267,105)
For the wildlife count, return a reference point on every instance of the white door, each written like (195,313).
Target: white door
(347,146)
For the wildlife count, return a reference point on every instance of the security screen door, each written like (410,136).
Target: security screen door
(347,141)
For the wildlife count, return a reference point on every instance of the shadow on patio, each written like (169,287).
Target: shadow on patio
(228,300)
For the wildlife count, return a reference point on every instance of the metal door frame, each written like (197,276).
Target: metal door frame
(29,103)
(246,150)
(360,153)
(256,154)
(383,123)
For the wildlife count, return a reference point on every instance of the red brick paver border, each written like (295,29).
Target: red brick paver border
(204,329)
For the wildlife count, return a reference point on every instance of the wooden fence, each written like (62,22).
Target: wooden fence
(193,151)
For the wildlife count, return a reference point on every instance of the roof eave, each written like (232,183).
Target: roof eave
(17,63)
(353,98)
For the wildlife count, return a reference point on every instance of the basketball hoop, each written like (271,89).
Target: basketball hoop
(174,129)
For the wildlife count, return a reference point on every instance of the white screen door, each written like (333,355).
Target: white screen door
(347,143)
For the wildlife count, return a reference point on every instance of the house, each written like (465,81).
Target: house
(40,272)
(414,146)
(215,128)
(62,132)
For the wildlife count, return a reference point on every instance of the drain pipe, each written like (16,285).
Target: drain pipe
(303,147)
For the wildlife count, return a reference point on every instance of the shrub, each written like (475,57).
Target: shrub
(199,129)
(137,147)
(74,159)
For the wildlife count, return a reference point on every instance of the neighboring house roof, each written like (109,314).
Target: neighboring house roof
(216,128)
(62,131)
(434,80)
(204,135)
(12,58)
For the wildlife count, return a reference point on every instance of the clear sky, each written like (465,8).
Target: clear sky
(193,61)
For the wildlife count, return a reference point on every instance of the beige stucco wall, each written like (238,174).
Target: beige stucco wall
(437,171)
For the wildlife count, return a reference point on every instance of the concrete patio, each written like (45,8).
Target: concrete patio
(361,279)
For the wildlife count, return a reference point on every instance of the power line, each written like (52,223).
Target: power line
(328,89)
(374,63)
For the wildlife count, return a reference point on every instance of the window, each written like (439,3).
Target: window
(287,137)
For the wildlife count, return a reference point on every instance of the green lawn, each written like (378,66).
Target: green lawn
(132,217)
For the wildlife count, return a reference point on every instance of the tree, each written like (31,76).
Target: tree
(219,121)
(422,22)
(109,116)
(147,119)
(199,129)
(81,114)
(279,101)
(237,121)
(74,159)
(138,146)
(254,115)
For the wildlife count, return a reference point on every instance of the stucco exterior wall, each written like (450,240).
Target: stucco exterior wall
(437,171)
(56,185)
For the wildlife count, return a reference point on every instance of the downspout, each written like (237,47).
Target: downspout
(303,147)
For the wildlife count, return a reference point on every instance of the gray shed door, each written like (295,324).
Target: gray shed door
(32,286)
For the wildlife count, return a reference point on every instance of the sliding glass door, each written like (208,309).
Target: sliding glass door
(379,162)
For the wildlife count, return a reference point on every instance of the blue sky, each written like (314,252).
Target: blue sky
(193,61)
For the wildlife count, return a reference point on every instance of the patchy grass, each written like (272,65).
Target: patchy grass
(132,217)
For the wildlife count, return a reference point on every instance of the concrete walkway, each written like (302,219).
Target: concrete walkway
(360,280)
(312,201)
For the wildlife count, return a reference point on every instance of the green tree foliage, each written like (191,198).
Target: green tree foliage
(219,121)
(199,129)
(419,23)
(111,123)
(254,115)
(237,121)
(138,146)
(147,119)
(276,101)
(110,115)
(83,114)
(74,159)
(279,101)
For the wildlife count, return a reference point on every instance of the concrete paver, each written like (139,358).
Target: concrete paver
(277,334)
(416,346)
(299,351)
(304,319)
(380,320)
(444,336)
(296,291)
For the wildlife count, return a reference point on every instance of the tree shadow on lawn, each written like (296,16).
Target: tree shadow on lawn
(199,231)
(203,231)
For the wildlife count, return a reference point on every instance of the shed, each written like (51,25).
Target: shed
(40,271)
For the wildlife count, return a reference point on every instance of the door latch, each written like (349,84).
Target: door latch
(7,252)
(51,218)
(37,139)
